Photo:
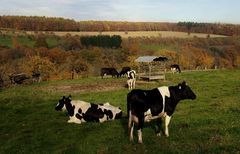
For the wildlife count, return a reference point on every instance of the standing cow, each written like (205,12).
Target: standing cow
(109,71)
(159,103)
(131,75)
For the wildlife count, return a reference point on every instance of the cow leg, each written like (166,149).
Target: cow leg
(134,83)
(74,120)
(131,132)
(140,127)
(158,126)
(167,121)
(130,126)
(131,85)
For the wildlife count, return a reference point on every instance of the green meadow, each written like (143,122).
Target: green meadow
(209,124)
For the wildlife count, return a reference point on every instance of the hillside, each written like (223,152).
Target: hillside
(35,23)
(64,55)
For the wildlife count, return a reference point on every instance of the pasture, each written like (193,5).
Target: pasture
(209,124)
(123,34)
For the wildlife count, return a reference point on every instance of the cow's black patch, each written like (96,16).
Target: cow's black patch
(108,113)
(80,110)
(118,115)
(79,116)
(69,106)
(93,114)
(60,104)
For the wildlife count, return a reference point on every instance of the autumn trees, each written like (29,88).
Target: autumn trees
(36,23)
(70,56)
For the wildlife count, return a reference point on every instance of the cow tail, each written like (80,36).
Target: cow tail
(129,114)
(128,104)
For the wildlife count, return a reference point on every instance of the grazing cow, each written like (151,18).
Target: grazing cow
(175,68)
(80,111)
(159,103)
(109,71)
(124,71)
(131,79)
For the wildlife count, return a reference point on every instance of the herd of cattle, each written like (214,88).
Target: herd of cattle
(142,105)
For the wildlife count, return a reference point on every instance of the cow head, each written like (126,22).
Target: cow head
(185,91)
(60,105)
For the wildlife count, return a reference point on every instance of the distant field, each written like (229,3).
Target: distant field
(209,124)
(6,40)
(163,34)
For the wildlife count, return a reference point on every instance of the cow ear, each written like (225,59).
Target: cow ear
(70,97)
(184,83)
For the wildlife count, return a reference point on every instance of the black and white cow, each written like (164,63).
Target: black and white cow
(131,75)
(124,71)
(81,111)
(175,68)
(159,103)
(109,71)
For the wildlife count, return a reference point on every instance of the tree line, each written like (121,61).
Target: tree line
(36,23)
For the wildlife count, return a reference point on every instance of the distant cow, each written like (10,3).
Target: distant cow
(124,71)
(18,78)
(80,111)
(131,75)
(159,103)
(109,71)
(161,59)
(175,68)
(36,76)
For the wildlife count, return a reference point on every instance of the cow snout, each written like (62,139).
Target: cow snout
(194,97)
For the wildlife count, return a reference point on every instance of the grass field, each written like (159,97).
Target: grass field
(123,34)
(209,124)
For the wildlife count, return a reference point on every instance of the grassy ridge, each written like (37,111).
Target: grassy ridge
(210,124)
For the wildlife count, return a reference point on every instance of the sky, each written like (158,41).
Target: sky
(211,11)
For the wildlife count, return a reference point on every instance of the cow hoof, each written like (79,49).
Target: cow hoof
(158,134)
(140,142)
(131,139)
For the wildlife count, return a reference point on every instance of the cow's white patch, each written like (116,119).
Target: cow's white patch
(164,91)
(139,136)
(131,132)
(167,121)
(173,69)
(84,106)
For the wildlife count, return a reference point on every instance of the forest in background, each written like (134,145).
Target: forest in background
(36,23)
(68,56)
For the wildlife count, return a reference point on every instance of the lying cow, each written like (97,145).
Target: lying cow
(80,111)
(131,75)
(109,71)
(175,68)
(18,78)
(159,103)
